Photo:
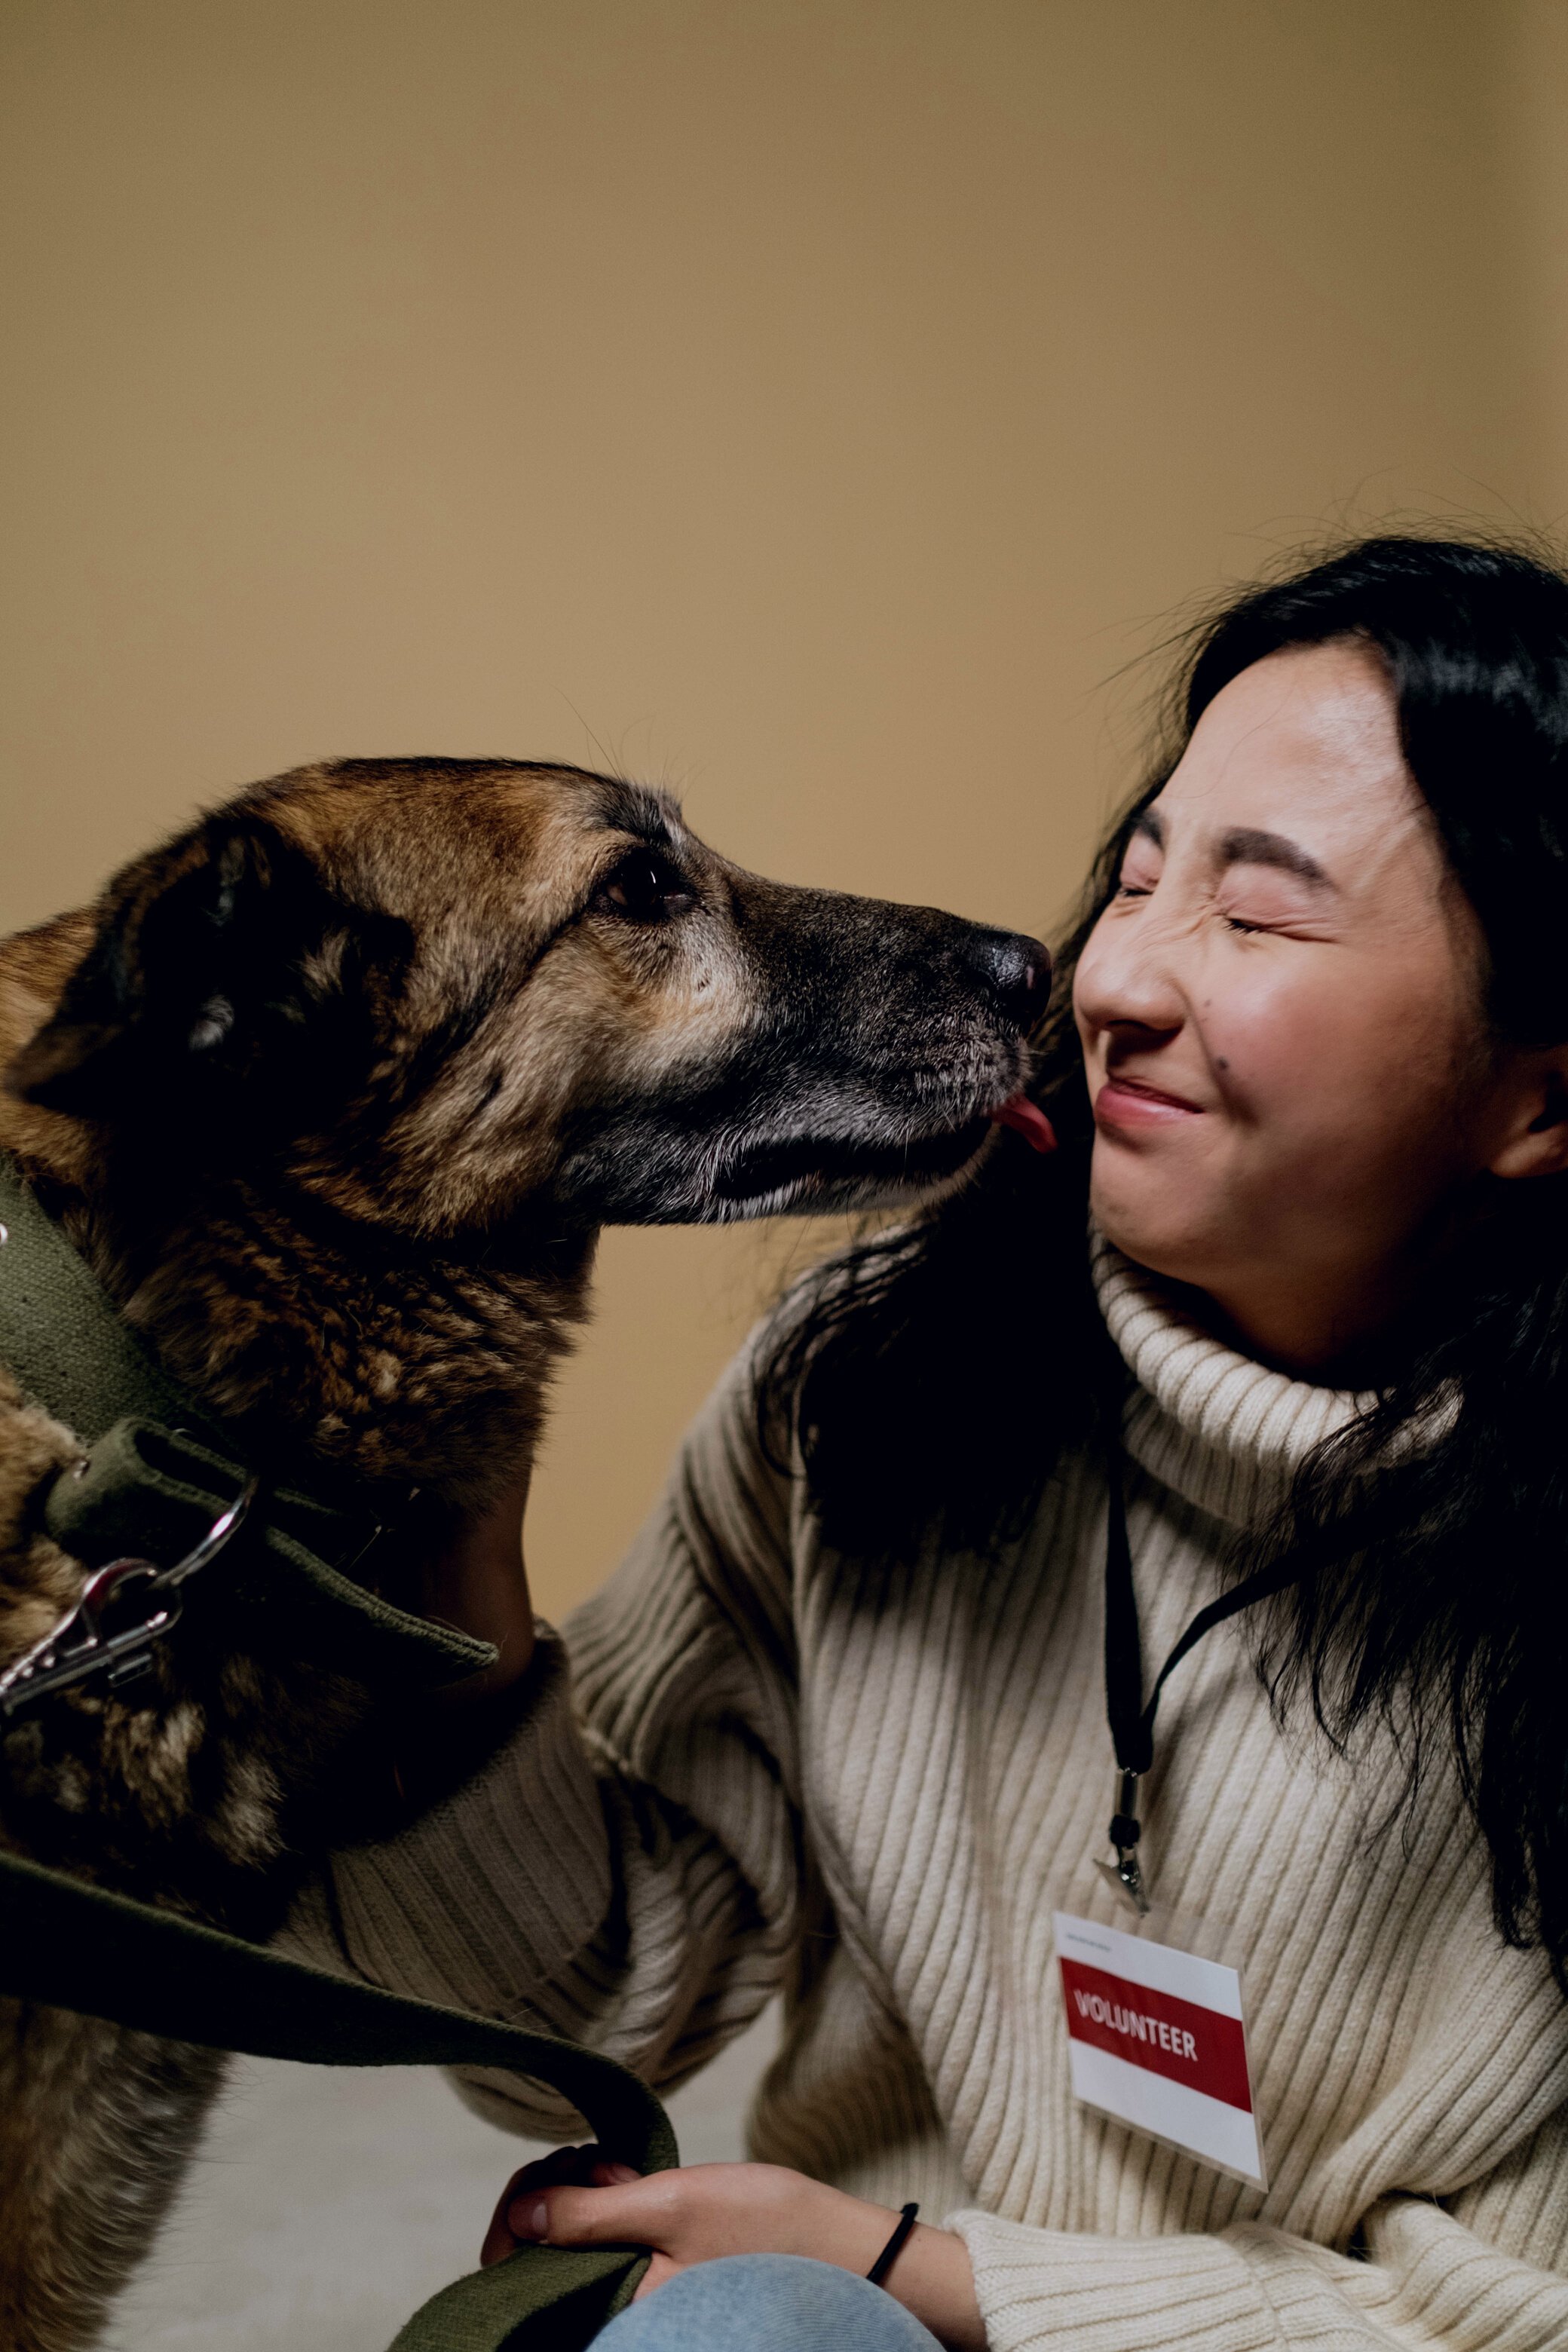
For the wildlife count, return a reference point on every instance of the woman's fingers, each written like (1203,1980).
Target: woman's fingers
(579,2164)
(499,2241)
(627,2210)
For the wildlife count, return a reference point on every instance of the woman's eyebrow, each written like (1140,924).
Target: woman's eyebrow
(1245,845)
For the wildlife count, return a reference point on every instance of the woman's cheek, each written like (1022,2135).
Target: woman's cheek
(1293,1030)
(1336,1089)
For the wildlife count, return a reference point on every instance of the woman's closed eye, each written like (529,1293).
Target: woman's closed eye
(1258,900)
(1141,870)
(1240,913)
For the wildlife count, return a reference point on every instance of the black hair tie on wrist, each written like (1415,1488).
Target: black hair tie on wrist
(894,2247)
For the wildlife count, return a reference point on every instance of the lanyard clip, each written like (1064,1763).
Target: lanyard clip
(1125,1832)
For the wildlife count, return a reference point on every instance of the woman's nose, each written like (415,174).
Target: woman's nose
(1125,979)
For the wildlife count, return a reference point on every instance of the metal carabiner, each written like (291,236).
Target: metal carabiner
(81,1644)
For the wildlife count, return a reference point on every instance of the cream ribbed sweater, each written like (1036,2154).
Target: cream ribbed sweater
(869,1788)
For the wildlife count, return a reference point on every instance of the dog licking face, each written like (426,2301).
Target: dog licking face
(333,1092)
(438,996)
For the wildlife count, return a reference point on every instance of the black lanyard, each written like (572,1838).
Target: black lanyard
(1131,1722)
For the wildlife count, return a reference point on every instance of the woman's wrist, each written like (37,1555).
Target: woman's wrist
(446,1742)
(478,1583)
(933,2278)
(474,1581)
(931,2274)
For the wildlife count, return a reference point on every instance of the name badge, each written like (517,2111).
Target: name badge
(1157,2038)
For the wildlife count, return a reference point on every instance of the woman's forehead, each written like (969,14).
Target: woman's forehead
(1304,746)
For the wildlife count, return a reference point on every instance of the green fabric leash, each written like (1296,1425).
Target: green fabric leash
(78,1946)
(155,1481)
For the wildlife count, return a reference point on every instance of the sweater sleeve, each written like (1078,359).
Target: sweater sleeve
(624,1868)
(1482,2272)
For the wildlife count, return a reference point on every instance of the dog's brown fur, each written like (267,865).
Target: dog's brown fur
(333,1092)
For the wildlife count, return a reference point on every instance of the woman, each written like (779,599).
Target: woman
(840,1723)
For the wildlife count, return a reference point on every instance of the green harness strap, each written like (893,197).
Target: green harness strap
(158,1474)
(151,1484)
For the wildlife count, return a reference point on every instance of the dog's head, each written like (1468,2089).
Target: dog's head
(441,995)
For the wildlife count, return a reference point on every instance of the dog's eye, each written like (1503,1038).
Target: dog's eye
(646,888)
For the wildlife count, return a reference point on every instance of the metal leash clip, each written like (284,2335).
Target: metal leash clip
(122,1610)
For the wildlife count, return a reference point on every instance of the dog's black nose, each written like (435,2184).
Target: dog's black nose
(1019,970)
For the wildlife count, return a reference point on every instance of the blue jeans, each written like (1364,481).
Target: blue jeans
(766,2302)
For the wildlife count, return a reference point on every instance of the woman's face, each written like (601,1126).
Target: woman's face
(1280,1016)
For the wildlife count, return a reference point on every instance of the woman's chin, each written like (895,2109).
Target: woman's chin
(1145,1231)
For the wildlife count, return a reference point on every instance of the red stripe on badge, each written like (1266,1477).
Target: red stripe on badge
(1156,2030)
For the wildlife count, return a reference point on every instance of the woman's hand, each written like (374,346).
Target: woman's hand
(478,1583)
(699,2211)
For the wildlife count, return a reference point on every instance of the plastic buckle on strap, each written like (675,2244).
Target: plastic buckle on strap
(122,1610)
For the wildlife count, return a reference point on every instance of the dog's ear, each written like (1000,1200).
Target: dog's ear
(227,980)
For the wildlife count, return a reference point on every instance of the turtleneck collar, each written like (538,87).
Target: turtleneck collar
(1221,1431)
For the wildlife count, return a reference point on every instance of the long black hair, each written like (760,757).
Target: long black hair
(933,1376)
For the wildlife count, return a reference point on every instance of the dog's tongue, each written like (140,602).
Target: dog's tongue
(1030,1121)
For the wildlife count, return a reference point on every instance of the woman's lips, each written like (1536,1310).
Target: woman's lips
(1130,1103)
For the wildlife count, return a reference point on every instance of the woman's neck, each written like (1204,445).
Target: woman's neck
(1332,1343)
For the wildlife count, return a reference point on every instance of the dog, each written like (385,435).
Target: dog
(332,1092)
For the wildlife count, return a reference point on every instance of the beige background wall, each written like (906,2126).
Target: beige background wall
(810,403)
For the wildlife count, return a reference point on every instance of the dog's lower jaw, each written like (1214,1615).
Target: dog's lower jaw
(868,1193)
(794,1179)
